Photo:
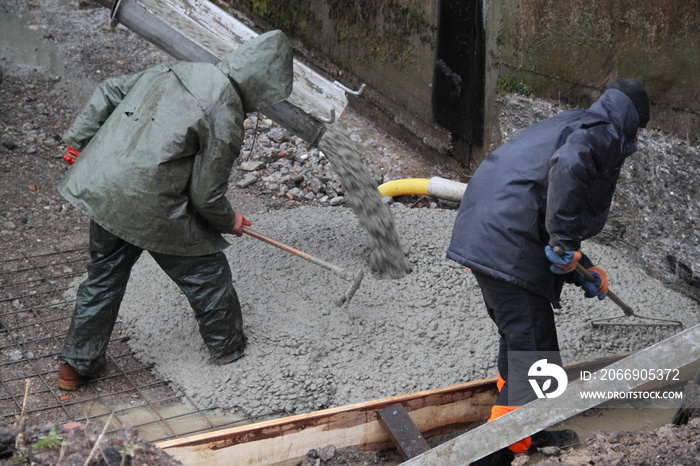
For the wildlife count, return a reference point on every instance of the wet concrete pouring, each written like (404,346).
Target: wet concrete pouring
(425,330)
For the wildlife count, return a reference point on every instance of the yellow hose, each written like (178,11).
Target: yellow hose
(435,186)
(407,186)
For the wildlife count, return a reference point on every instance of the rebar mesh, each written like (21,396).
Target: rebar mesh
(35,312)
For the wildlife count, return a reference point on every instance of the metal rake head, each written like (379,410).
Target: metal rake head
(636,326)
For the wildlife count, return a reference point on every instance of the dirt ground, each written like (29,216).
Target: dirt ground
(667,445)
(76,443)
(38,103)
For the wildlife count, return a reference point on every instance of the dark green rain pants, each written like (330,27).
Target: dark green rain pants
(205,280)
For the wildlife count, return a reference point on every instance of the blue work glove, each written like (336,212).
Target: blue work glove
(564,263)
(597,288)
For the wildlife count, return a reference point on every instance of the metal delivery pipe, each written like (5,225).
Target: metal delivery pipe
(197,30)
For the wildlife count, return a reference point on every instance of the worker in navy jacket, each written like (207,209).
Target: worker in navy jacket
(526,211)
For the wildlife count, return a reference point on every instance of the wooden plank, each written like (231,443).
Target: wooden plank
(402,431)
(673,353)
(286,440)
(280,441)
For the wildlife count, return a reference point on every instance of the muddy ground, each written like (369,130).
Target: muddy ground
(654,217)
(75,444)
(667,445)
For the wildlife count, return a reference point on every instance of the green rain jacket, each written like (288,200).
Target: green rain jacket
(157,147)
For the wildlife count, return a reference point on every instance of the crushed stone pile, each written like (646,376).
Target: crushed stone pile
(426,330)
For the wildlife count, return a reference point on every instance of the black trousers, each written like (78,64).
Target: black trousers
(525,323)
(205,280)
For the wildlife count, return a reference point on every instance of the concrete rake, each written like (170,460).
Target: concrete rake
(629,312)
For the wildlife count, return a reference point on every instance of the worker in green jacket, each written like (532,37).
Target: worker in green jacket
(156,151)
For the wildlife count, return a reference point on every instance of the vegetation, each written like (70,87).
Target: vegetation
(52,440)
(508,83)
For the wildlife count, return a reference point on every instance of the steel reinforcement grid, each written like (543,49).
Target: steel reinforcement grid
(37,295)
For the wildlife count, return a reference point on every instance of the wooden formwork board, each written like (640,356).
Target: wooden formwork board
(285,441)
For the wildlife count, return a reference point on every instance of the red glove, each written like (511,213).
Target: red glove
(238,224)
(71,155)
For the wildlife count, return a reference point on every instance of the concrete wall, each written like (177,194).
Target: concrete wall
(566,50)
(574,48)
(387,44)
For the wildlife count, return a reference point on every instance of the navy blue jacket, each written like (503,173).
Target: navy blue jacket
(551,184)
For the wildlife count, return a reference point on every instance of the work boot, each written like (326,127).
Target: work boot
(69,378)
(553,438)
(502,457)
(234,355)
(229,358)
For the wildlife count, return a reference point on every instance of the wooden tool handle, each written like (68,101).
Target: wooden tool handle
(613,297)
(589,276)
(274,242)
(304,255)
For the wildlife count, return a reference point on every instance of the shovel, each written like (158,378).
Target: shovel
(342,273)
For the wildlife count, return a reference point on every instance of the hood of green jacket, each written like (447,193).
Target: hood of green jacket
(269,55)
